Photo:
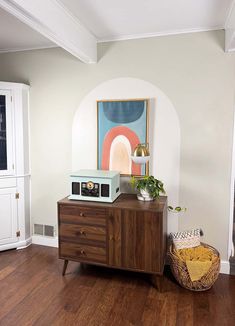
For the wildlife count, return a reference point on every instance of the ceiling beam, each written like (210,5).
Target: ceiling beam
(230,30)
(51,19)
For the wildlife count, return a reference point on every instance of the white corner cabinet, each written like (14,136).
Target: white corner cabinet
(15,229)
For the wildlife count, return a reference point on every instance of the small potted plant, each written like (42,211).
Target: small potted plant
(149,188)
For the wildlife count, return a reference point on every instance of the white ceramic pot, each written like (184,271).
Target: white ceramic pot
(144,195)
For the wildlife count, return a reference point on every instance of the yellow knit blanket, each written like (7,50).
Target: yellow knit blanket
(198,260)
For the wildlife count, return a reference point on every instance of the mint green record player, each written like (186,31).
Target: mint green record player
(95,185)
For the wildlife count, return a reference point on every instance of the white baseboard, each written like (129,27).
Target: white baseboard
(45,241)
(225,267)
(25,244)
(16,245)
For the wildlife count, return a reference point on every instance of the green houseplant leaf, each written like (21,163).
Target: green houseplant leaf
(148,183)
(177,209)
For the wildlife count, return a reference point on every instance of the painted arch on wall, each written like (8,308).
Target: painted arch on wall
(164,133)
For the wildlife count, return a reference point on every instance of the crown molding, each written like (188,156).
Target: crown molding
(61,28)
(157,34)
(27,49)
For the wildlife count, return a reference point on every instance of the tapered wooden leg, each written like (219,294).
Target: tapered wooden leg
(65,266)
(157,282)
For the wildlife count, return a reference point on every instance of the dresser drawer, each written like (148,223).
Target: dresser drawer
(83,252)
(84,232)
(82,215)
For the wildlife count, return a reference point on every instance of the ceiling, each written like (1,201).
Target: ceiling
(77,25)
(126,19)
(16,36)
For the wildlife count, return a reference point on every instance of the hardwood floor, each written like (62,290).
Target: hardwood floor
(33,292)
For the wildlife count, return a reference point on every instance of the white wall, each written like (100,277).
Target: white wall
(164,133)
(194,73)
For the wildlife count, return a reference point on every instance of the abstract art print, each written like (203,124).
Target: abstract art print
(121,126)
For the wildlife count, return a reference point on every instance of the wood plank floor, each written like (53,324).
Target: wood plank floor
(33,292)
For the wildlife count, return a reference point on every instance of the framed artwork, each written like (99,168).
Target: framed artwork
(121,126)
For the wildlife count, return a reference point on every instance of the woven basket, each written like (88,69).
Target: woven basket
(180,271)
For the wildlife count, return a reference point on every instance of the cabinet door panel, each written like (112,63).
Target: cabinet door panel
(114,237)
(141,240)
(8,216)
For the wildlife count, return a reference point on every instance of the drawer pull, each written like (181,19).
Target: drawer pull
(80,232)
(82,252)
(81,214)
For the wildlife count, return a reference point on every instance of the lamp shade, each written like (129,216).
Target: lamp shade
(141,154)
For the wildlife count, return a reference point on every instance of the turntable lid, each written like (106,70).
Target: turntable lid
(95,173)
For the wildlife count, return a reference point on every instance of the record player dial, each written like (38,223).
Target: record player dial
(90,185)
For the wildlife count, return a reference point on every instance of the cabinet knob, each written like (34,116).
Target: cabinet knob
(82,232)
(81,214)
(82,252)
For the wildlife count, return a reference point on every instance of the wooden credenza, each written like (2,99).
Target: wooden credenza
(127,234)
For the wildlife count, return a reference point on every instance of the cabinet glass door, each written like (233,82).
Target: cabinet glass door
(3,133)
(6,144)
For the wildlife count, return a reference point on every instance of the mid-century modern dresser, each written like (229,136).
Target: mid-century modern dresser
(127,234)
